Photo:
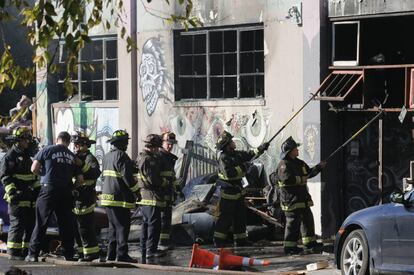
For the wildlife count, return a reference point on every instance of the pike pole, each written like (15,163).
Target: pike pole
(294,115)
(353,136)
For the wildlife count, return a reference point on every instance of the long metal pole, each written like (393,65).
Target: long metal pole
(380,134)
(297,112)
(353,136)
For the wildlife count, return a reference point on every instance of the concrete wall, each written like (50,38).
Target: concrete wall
(292,56)
(339,8)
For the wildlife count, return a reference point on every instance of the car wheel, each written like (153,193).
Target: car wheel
(355,254)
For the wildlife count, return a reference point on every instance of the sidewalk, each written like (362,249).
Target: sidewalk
(178,259)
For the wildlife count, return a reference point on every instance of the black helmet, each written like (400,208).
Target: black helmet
(81,138)
(169,137)
(224,139)
(153,140)
(288,145)
(119,135)
(20,133)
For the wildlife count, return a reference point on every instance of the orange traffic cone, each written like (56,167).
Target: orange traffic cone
(203,258)
(229,260)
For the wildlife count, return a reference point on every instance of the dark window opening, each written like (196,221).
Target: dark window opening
(373,41)
(385,88)
(219,63)
(346,44)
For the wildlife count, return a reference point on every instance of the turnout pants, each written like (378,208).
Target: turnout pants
(151,228)
(119,224)
(59,200)
(86,235)
(232,213)
(22,221)
(166,215)
(299,221)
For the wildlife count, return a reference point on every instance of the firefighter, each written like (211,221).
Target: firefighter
(171,185)
(295,200)
(118,196)
(21,189)
(152,196)
(231,169)
(57,167)
(85,199)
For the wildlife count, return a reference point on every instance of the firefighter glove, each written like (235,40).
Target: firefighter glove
(263,147)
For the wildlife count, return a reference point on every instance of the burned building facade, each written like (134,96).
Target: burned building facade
(248,70)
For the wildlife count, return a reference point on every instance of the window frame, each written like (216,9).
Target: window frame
(207,32)
(103,59)
(345,62)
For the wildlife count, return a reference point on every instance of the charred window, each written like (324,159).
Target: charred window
(97,72)
(219,63)
(345,43)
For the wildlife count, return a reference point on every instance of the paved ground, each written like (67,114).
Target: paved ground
(177,262)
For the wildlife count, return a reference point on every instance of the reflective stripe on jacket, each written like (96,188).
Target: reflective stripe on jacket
(231,170)
(168,174)
(18,180)
(149,180)
(119,182)
(292,177)
(86,201)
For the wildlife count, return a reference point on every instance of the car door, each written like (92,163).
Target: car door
(389,244)
(405,222)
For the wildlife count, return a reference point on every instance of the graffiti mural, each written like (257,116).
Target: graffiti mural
(203,125)
(310,142)
(97,123)
(153,78)
(42,120)
(361,158)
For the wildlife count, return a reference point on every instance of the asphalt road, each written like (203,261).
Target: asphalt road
(177,263)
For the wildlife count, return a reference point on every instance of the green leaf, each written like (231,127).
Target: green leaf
(192,23)
(50,9)
(14,82)
(4,78)
(123,31)
(188,9)
(69,41)
(86,38)
(73,8)
(49,20)
(108,25)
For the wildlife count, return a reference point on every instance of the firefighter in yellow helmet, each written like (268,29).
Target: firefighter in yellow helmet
(21,189)
(118,196)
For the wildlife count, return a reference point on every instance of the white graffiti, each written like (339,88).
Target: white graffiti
(154,82)
(311,136)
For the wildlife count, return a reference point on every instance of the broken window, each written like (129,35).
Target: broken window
(219,63)
(97,72)
(345,50)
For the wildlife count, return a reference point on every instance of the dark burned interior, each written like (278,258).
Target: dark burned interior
(379,49)
(372,65)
